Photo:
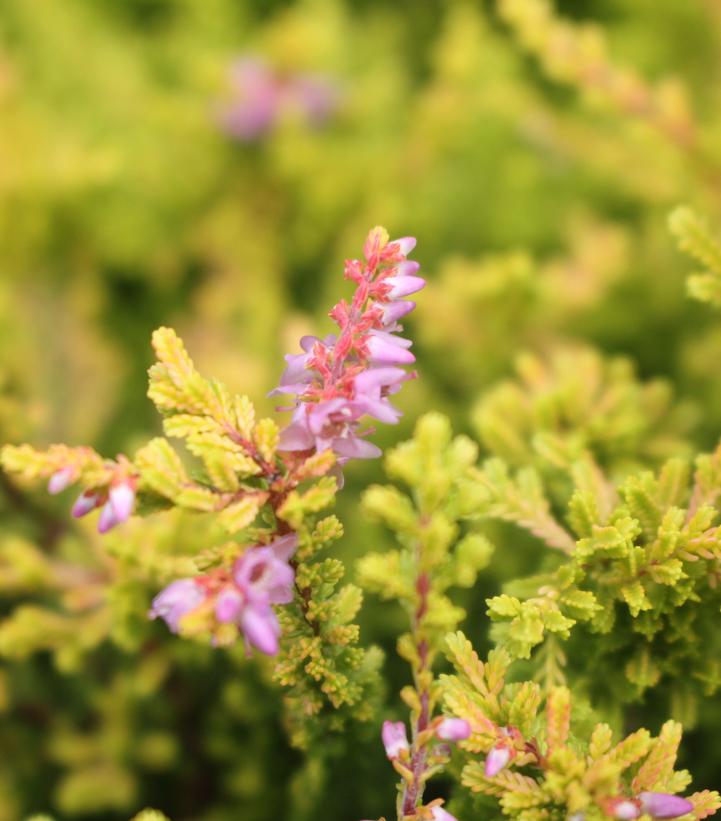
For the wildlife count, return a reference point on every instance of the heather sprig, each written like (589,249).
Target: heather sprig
(264,487)
(434,556)
(536,762)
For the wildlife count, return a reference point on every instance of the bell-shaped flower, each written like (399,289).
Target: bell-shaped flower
(263,577)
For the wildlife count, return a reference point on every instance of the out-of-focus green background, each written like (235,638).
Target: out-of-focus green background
(540,210)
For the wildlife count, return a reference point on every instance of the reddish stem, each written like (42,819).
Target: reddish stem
(413,791)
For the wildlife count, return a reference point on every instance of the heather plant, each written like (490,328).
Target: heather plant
(207,167)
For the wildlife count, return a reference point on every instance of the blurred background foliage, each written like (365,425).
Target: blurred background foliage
(536,163)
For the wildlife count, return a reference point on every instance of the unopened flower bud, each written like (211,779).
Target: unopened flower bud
(439,814)
(664,805)
(86,502)
(496,760)
(453,729)
(394,738)
(61,479)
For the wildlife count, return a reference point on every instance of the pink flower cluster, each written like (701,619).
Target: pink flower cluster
(261,96)
(116,502)
(345,377)
(245,596)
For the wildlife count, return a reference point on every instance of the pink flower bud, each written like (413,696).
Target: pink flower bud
(61,479)
(122,500)
(86,502)
(389,350)
(496,760)
(406,244)
(394,311)
(108,518)
(453,729)
(663,805)
(439,814)
(394,738)
(404,286)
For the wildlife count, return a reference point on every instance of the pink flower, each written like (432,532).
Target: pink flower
(663,805)
(61,479)
(496,760)
(453,729)
(263,578)
(394,738)
(175,601)
(260,578)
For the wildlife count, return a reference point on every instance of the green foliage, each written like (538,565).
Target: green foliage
(538,189)
(556,765)
(695,238)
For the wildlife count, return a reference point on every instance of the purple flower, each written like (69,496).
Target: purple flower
(663,805)
(394,738)
(87,501)
(263,577)
(61,479)
(496,760)
(175,601)
(453,729)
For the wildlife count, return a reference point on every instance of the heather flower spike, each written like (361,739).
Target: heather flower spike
(341,379)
